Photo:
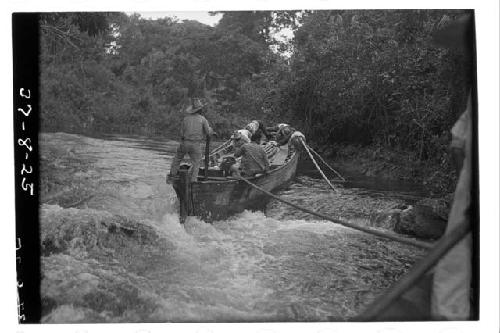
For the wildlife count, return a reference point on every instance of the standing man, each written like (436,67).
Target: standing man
(194,129)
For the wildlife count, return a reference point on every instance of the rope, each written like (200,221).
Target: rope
(420,244)
(322,160)
(317,166)
(409,280)
(221,147)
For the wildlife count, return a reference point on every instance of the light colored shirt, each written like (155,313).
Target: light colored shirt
(195,127)
(253,126)
(245,134)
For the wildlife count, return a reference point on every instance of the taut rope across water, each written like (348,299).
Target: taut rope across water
(322,160)
(317,166)
(420,244)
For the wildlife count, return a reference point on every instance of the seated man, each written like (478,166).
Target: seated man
(253,158)
(284,133)
(273,131)
(257,127)
(243,134)
(295,143)
(296,138)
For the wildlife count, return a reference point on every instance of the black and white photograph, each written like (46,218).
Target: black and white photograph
(248,166)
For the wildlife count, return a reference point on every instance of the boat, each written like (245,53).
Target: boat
(216,197)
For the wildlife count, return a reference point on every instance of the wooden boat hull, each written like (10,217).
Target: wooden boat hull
(213,200)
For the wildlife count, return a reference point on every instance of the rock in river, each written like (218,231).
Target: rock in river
(422,222)
(426,219)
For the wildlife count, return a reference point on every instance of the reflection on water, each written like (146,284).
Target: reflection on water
(122,256)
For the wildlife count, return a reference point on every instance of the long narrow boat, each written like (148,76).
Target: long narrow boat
(215,197)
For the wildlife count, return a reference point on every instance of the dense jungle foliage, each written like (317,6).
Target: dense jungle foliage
(364,78)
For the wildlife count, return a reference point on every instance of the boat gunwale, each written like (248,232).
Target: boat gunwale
(231,180)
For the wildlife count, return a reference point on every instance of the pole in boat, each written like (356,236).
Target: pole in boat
(207,155)
(221,147)
(184,194)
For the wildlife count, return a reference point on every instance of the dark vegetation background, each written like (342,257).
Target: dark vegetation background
(366,86)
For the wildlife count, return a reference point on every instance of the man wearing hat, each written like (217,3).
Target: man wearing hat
(253,157)
(194,129)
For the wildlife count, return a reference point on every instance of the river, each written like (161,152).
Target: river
(120,255)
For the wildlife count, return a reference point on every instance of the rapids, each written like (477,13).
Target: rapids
(119,254)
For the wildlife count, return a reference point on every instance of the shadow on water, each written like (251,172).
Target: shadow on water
(163,145)
(365,185)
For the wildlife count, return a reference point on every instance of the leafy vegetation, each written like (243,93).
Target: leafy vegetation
(371,78)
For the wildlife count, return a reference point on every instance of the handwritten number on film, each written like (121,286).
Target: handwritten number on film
(26,170)
(26,143)
(20,284)
(25,112)
(21,93)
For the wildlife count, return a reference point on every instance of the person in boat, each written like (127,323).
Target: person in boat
(243,134)
(194,129)
(273,131)
(296,140)
(284,134)
(257,126)
(253,158)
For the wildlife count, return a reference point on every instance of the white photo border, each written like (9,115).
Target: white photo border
(487,18)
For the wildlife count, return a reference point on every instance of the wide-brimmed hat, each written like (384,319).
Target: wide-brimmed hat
(195,106)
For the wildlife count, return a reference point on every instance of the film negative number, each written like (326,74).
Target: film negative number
(26,143)
(20,309)
(21,93)
(25,186)
(26,170)
(26,113)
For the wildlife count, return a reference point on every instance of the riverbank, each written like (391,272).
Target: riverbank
(435,175)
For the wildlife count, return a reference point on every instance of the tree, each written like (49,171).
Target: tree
(374,77)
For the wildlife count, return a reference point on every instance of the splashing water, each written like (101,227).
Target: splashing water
(123,256)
